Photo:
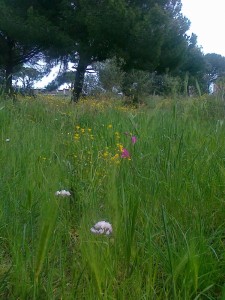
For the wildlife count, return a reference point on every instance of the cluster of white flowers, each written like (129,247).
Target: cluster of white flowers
(7,140)
(63,193)
(102,227)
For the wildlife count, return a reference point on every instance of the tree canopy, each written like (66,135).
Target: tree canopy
(25,32)
(215,66)
(148,35)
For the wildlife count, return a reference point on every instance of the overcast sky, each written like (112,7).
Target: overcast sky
(208,23)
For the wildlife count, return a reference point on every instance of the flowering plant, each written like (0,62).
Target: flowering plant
(102,227)
(63,193)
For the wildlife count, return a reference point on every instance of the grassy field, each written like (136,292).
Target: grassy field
(165,199)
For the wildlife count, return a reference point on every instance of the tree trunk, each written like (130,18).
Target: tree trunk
(79,78)
(186,84)
(8,79)
(9,67)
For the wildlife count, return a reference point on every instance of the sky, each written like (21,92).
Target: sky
(47,79)
(208,23)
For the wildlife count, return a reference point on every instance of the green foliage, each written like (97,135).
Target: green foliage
(105,29)
(27,76)
(25,32)
(110,74)
(193,69)
(145,35)
(175,42)
(215,67)
(137,85)
(220,88)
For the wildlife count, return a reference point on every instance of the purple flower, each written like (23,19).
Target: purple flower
(133,139)
(125,153)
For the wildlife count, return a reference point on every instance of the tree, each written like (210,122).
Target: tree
(147,34)
(135,30)
(215,67)
(110,74)
(27,76)
(175,41)
(192,67)
(26,31)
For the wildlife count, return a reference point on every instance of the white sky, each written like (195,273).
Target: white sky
(45,80)
(208,23)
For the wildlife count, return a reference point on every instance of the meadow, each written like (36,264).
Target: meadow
(164,197)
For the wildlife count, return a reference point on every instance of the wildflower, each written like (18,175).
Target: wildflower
(102,227)
(117,135)
(133,139)
(63,193)
(76,136)
(105,154)
(120,147)
(7,140)
(115,158)
(125,153)
(110,126)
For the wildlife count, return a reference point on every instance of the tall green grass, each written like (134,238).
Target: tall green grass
(166,204)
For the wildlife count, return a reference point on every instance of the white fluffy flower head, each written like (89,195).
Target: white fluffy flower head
(102,227)
(63,193)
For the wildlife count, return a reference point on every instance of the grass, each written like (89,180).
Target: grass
(166,203)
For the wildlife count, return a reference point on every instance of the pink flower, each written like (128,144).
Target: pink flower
(133,139)
(125,153)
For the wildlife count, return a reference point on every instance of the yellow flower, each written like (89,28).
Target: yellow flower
(89,129)
(82,130)
(105,154)
(76,136)
(77,127)
(120,147)
(115,158)
(110,126)
(117,135)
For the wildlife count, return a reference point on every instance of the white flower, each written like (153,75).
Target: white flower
(63,193)
(7,140)
(102,227)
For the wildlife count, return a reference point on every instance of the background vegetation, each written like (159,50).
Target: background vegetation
(145,41)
